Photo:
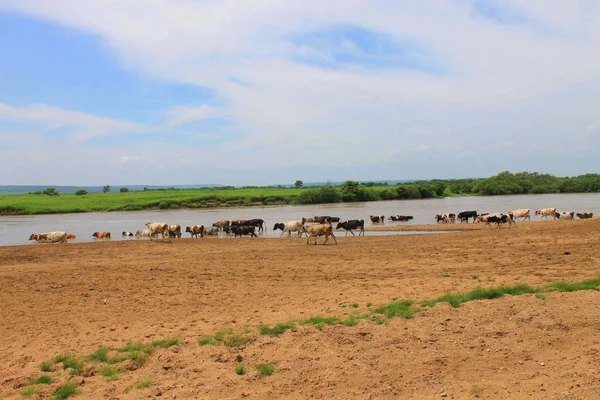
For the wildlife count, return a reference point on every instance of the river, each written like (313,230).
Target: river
(15,230)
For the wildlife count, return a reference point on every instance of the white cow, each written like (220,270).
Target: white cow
(289,227)
(158,228)
(520,213)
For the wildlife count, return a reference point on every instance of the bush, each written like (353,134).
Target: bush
(81,192)
(320,195)
(163,205)
(408,192)
(50,191)
(124,190)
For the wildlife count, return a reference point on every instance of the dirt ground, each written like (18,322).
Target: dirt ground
(75,298)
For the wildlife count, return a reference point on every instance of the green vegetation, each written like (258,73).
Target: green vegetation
(81,192)
(143,383)
(227,337)
(110,373)
(65,391)
(43,380)
(70,362)
(49,201)
(30,391)
(266,369)
(46,367)
(102,355)
(240,369)
(276,330)
(166,343)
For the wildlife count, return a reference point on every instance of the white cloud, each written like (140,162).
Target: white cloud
(488,82)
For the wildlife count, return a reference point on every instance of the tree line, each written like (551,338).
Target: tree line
(502,184)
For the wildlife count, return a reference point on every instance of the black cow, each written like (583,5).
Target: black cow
(243,230)
(324,218)
(352,224)
(585,215)
(499,219)
(376,219)
(400,218)
(465,215)
(258,223)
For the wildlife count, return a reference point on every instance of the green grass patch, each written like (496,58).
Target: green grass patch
(207,341)
(102,355)
(65,391)
(70,362)
(143,383)
(266,369)
(591,284)
(227,337)
(240,369)
(456,300)
(110,373)
(277,330)
(166,343)
(355,305)
(402,309)
(43,380)
(30,391)
(137,352)
(46,367)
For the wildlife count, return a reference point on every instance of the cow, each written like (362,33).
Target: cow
(546,212)
(49,237)
(212,231)
(174,231)
(157,228)
(565,215)
(310,220)
(290,226)
(324,218)
(195,230)
(71,236)
(376,219)
(243,230)
(220,224)
(125,233)
(520,213)
(584,215)
(143,233)
(400,218)
(238,222)
(464,216)
(320,230)
(352,224)
(257,223)
(101,235)
(497,219)
(445,218)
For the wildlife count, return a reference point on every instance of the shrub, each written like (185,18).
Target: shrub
(81,192)
(163,205)
(124,190)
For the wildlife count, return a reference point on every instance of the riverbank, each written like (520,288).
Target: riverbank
(208,299)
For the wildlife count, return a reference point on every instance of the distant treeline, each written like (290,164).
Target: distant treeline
(502,184)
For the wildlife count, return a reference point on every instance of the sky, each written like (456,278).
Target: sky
(174,92)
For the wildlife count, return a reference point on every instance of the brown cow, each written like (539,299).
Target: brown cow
(101,235)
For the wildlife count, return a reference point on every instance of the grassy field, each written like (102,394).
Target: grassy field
(25,204)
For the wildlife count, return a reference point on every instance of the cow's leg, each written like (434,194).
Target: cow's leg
(333,236)
(351,232)
(326,238)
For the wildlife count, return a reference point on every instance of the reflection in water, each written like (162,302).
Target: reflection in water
(16,230)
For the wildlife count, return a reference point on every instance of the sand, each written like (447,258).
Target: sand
(75,298)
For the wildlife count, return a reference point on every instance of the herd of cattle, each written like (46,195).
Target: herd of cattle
(510,217)
(311,227)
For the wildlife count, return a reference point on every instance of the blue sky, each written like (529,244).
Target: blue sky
(171,92)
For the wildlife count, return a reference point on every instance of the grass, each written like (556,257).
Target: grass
(266,369)
(166,343)
(476,391)
(227,337)
(402,309)
(143,383)
(30,391)
(110,373)
(240,369)
(46,367)
(65,391)
(70,362)
(207,341)
(43,380)
(102,355)
(276,330)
